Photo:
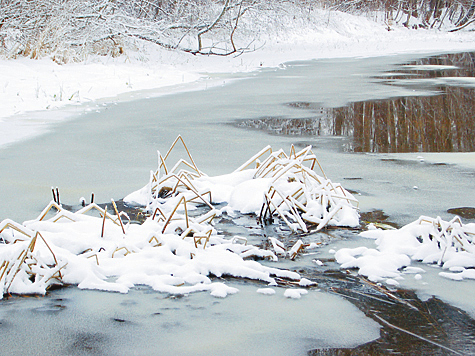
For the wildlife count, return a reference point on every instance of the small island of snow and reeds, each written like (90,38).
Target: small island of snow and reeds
(182,230)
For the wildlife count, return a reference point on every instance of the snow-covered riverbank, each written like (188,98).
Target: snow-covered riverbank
(32,85)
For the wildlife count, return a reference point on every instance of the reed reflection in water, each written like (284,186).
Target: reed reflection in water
(442,122)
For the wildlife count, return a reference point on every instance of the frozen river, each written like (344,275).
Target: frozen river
(110,148)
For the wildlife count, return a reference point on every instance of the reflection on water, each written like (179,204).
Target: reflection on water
(442,122)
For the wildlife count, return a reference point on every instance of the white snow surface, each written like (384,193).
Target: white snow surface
(32,85)
(266,291)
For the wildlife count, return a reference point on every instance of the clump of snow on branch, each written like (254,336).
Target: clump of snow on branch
(448,244)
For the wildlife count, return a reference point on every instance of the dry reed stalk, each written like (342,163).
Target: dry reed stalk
(4,268)
(97,258)
(200,197)
(298,204)
(158,243)
(284,169)
(161,164)
(335,290)
(198,238)
(193,165)
(182,161)
(254,159)
(104,221)
(292,208)
(118,216)
(54,195)
(103,212)
(121,248)
(57,196)
(416,335)
(182,200)
(49,248)
(281,214)
(387,293)
(162,215)
(296,249)
(21,258)
(186,232)
(208,217)
(190,188)
(266,167)
(46,210)
(58,277)
(5,224)
(62,216)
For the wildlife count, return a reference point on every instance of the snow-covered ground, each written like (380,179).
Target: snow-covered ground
(31,85)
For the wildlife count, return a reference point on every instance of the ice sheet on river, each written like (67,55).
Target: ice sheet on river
(250,323)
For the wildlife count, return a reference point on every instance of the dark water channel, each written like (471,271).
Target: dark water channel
(355,112)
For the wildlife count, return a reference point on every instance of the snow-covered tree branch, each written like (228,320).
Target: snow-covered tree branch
(71,29)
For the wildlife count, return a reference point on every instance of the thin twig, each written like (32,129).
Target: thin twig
(415,335)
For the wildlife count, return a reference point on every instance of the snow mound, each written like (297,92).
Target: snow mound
(294,293)
(266,291)
(450,245)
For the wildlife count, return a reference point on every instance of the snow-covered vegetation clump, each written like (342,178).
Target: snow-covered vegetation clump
(281,185)
(176,249)
(102,252)
(448,244)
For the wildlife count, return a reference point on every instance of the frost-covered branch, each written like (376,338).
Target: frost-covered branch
(73,29)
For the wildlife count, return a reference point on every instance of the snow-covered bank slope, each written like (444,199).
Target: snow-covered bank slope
(31,85)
